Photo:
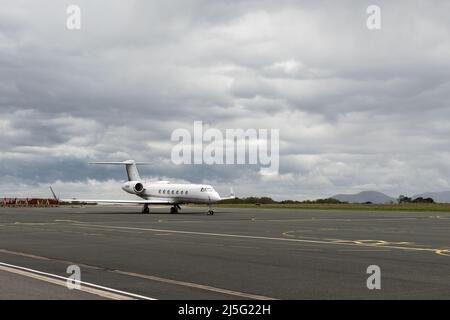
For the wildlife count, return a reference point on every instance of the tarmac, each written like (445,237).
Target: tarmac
(234,254)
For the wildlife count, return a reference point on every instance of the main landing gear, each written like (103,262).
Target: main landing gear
(175,209)
(146,209)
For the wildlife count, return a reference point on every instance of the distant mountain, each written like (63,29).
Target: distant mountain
(365,196)
(442,197)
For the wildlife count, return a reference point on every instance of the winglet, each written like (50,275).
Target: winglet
(230,197)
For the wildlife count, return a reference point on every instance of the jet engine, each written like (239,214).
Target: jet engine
(133,187)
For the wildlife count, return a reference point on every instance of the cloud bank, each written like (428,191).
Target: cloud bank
(357,109)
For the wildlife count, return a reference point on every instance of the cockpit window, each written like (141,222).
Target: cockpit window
(207,190)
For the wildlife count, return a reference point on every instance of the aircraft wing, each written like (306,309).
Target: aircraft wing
(154,201)
(227,198)
(230,197)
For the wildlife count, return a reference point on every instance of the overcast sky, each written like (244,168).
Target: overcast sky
(357,109)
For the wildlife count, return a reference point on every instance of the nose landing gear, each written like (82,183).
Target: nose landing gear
(145,209)
(210,211)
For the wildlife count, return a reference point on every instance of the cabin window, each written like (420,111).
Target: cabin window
(181,191)
(186,192)
(159,191)
(178,191)
(173,191)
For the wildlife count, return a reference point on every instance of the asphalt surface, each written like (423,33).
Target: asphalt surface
(17,287)
(235,254)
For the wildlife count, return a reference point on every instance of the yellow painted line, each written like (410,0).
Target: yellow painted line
(335,219)
(87,287)
(262,238)
(443,252)
(363,250)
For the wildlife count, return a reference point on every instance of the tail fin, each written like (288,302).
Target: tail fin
(130,166)
(53,193)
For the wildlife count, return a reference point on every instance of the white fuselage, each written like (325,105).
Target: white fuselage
(172,192)
(160,192)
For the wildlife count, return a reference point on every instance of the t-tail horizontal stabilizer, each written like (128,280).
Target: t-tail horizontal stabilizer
(130,166)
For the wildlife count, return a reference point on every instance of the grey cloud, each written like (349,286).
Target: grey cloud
(356,109)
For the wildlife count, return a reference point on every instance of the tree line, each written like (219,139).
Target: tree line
(269,200)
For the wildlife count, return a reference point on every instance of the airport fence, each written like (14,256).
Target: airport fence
(28,202)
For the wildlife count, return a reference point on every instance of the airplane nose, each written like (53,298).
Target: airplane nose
(216,196)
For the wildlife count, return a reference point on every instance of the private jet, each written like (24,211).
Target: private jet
(160,192)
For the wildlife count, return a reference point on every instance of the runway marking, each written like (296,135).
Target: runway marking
(196,286)
(376,243)
(68,221)
(443,252)
(28,255)
(303,249)
(24,254)
(336,219)
(289,220)
(244,247)
(143,276)
(363,250)
(33,223)
(338,242)
(88,287)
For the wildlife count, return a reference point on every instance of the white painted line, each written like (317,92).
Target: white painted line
(104,294)
(154,278)
(263,238)
(196,286)
(59,280)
